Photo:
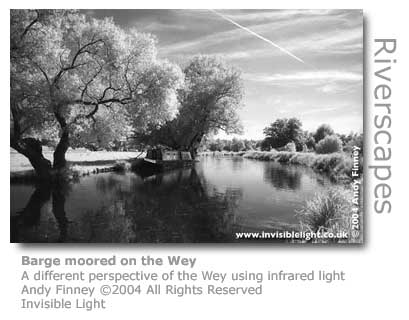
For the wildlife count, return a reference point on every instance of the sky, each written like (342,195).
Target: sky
(295,63)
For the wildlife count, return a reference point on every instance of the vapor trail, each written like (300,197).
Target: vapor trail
(258,36)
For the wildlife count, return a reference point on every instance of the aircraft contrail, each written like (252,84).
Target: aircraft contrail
(258,36)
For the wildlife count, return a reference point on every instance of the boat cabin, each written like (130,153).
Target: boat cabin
(168,155)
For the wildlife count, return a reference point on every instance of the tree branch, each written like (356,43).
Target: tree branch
(73,64)
(32,23)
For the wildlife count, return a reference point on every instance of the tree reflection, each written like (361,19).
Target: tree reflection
(28,220)
(237,164)
(282,177)
(176,206)
(59,193)
(31,214)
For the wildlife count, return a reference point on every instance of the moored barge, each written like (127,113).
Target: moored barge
(164,160)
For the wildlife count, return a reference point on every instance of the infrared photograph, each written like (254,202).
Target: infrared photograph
(186,126)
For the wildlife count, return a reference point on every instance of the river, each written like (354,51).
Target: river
(208,203)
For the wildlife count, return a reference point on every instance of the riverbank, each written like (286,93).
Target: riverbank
(329,211)
(82,162)
(338,166)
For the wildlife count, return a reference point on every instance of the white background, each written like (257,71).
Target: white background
(377,273)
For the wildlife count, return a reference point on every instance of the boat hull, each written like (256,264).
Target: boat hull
(167,165)
(148,167)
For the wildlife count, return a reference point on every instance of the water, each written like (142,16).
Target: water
(207,203)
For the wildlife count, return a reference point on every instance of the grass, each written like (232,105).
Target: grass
(328,212)
(337,165)
(82,162)
(84,157)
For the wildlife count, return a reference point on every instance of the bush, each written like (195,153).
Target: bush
(323,131)
(337,165)
(284,156)
(121,166)
(355,141)
(290,147)
(328,212)
(310,143)
(329,144)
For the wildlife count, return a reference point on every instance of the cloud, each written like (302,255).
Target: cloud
(305,36)
(330,88)
(320,43)
(251,16)
(307,77)
(260,37)
(328,82)
(318,110)
(157,27)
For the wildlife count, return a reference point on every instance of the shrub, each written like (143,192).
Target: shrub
(356,140)
(323,131)
(121,166)
(304,158)
(262,155)
(290,147)
(328,212)
(329,144)
(284,156)
(310,143)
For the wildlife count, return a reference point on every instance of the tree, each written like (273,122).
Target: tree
(323,131)
(237,145)
(66,69)
(249,144)
(281,132)
(265,144)
(310,141)
(216,145)
(108,130)
(329,144)
(352,140)
(208,102)
(227,145)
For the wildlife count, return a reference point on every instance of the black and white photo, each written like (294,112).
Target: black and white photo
(186,126)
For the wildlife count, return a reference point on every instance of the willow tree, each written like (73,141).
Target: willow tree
(209,101)
(67,69)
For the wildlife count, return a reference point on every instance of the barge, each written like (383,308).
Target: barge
(159,160)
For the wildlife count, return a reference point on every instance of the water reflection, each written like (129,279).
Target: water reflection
(59,193)
(207,203)
(30,216)
(171,207)
(283,176)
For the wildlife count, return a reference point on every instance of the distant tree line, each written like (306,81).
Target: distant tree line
(287,134)
(234,145)
(285,131)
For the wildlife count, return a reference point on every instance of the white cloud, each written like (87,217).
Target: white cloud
(326,34)
(318,110)
(307,77)
(322,43)
(252,16)
(157,27)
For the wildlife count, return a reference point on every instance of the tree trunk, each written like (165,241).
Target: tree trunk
(195,143)
(32,149)
(59,154)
